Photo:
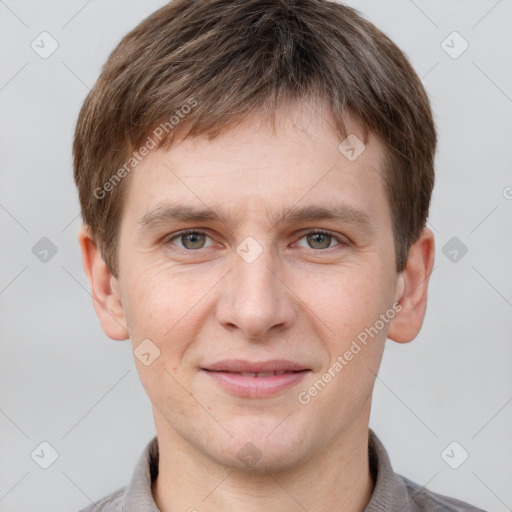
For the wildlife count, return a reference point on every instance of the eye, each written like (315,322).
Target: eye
(320,239)
(191,239)
(194,239)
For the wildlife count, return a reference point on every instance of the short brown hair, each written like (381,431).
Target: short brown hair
(229,58)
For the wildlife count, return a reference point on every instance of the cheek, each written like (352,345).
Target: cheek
(347,301)
(160,311)
(346,308)
(165,308)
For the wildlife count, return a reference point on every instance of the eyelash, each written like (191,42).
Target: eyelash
(201,232)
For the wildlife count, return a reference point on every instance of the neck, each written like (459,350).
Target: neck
(337,479)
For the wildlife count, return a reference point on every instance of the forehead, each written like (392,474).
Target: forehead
(254,167)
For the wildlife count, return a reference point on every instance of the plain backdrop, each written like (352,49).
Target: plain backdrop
(63,382)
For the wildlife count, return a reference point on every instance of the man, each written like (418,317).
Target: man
(255,179)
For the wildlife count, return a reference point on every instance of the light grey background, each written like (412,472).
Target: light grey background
(63,381)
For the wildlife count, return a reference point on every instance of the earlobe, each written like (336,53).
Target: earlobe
(412,289)
(104,287)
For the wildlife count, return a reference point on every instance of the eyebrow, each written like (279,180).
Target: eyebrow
(165,214)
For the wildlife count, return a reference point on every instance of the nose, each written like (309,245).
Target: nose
(255,298)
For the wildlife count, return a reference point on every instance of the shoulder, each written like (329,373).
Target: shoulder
(113,502)
(423,500)
(394,492)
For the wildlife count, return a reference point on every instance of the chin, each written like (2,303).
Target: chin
(265,444)
(261,458)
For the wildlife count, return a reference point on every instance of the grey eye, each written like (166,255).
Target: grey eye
(319,240)
(193,240)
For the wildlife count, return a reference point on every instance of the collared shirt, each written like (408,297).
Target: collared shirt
(392,492)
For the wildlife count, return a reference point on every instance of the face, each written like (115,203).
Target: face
(293,264)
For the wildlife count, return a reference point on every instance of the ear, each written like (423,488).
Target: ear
(104,287)
(412,289)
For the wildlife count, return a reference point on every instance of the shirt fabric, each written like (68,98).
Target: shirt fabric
(392,492)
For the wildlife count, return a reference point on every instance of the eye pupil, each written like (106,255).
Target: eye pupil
(194,238)
(318,238)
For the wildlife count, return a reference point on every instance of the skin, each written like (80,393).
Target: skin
(303,298)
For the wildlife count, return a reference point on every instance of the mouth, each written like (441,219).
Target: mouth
(273,366)
(259,374)
(256,379)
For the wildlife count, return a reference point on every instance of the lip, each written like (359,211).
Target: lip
(232,376)
(239,366)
